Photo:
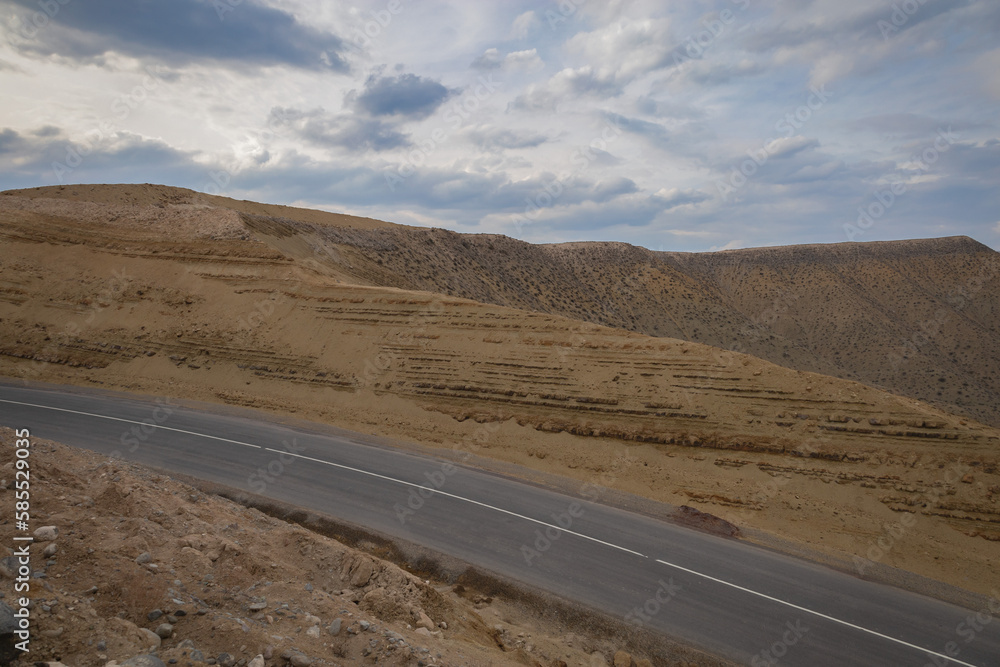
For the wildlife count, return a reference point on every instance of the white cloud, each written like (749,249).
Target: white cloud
(524,25)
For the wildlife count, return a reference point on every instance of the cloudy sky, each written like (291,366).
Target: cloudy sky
(684,125)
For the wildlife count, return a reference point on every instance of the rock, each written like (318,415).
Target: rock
(149,638)
(258,606)
(423,632)
(312,631)
(197,656)
(143,558)
(443,625)
(257,662)
(364,625)
(425,622)
(299,660)
(8,624)
(8,566)
(164,630)
(143,661)
(46,533)
(102,646)
(968,478)
(50,550)
(362,572)
(268,652)
(622,659)
(309,588)
(186,644)
(153,615)
(334,628)
(312,620)
(225,660)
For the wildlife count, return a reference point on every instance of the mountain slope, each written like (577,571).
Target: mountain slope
(166,293)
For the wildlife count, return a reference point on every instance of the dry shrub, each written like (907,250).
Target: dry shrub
(138,593)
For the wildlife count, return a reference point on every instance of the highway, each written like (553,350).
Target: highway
(730,598)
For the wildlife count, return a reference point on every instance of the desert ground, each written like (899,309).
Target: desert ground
(346,321)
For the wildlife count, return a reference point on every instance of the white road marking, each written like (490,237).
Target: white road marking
(462,498)
(130,421)
(816,613)
(519,516)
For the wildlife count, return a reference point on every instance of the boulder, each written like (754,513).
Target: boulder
(46,533)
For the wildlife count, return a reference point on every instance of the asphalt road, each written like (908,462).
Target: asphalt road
(730,598)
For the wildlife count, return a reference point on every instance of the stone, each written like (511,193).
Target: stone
(309,588)
(143,558)
(50,550)
(8,566)
(268,652)
(46,533)
(334,628)
(312,631)
(300,660)
(149,638)
(364,625)
(197,656)
(164,630)
(225,660)
(425,622)
(143,661)
(257,662)
(623,659)
(185,644)
(423,632)
(258,606)
(154,615)
(102,646)
(8,623)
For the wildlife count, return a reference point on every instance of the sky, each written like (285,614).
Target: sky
(694,126)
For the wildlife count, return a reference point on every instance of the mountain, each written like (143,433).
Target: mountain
(501,350)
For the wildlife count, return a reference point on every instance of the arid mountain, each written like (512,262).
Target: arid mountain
(917,318)
(169,292)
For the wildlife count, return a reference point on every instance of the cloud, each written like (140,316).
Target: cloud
(404,95)
(524,25)
(565,87)
(178,32)
(499,138)
(524,61)
(349,131)
(654,133)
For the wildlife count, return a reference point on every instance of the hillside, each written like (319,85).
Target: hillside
(917,318)
(163,293)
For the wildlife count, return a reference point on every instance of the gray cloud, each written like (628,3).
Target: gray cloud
(350,131)
(178,32)
(406,95)
(499,138)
